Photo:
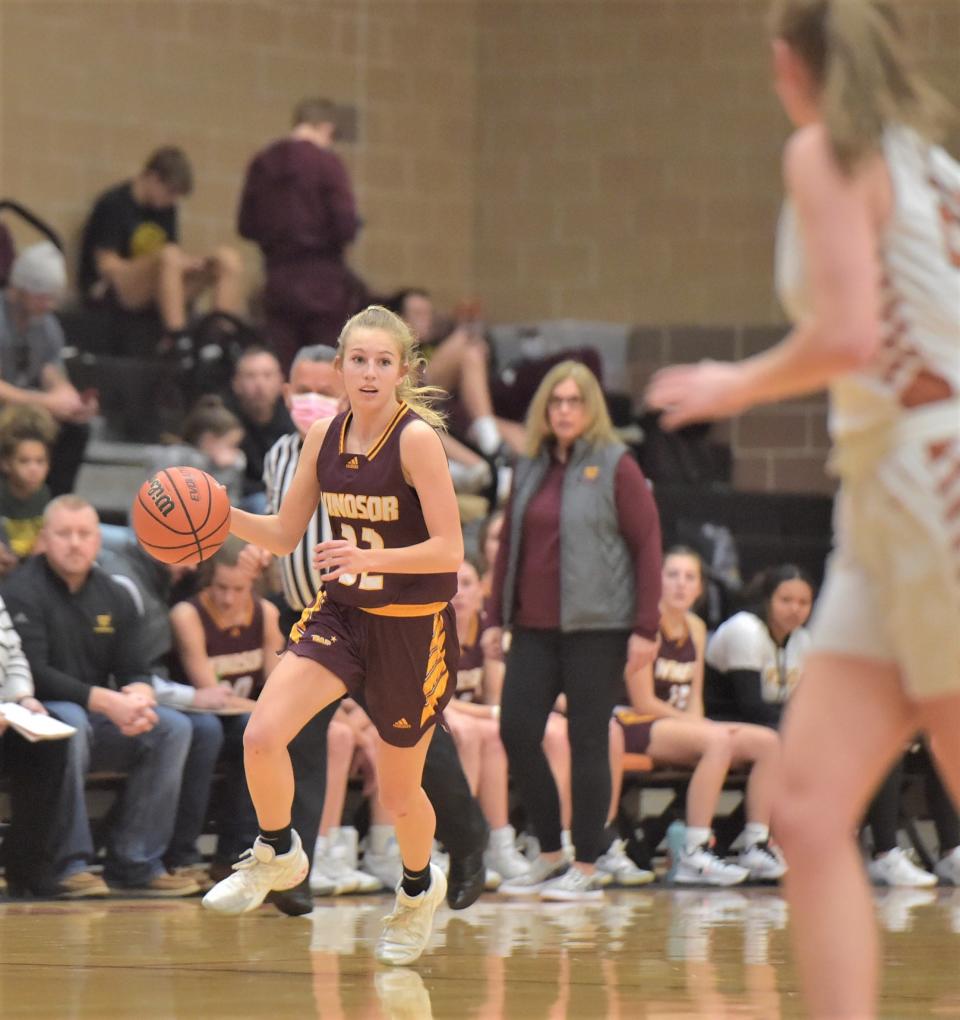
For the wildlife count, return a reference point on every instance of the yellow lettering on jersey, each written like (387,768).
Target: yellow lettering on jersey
(232,663)
(673,672)
(362,508)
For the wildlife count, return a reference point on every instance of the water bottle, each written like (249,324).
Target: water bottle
(676,841)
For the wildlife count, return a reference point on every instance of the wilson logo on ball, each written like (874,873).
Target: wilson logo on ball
(161,500)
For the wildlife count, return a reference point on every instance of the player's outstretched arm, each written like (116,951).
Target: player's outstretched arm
(425,468)
(280,533)
(839,225)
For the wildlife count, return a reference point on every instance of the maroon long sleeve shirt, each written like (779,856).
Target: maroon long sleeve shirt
(538,569)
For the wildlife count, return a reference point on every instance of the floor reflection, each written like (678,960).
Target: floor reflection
(652,954)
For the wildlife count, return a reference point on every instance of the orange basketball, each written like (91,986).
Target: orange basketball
(181,515)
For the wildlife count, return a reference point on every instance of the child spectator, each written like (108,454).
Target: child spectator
(27,433)
(212,437)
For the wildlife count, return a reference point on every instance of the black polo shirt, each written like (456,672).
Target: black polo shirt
(75,640)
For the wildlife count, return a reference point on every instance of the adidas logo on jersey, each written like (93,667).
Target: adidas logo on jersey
(401,724)
(353,464)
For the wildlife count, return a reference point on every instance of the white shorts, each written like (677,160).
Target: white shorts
(892,591)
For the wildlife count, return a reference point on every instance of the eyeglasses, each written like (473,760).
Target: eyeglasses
(555,403)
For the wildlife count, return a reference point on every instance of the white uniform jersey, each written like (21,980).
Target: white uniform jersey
(744,643)
(920,262)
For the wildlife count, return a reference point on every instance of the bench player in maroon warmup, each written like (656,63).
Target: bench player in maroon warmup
(381,626)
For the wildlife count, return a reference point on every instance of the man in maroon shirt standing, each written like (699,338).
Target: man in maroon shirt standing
(298,206)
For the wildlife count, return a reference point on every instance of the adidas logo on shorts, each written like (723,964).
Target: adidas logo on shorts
(401,724)
(353,464)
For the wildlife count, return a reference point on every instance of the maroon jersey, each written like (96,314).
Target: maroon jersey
(236,652)
(673,670)
(370,504)
(470,670)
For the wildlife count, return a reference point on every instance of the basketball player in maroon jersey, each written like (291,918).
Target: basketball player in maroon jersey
(381,626)
(666,722)
(227,634)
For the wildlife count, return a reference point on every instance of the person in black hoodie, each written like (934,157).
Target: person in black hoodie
(298,206)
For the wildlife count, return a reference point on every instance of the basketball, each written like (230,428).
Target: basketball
(181,515)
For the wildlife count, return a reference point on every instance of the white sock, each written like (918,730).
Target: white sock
(486,434)
(695,838)
(379,837)
(754,832)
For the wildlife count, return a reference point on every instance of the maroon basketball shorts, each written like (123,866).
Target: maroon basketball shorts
(403,669)
(636,729)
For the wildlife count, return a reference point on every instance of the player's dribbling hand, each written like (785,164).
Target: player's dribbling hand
(338,557)
(693,393)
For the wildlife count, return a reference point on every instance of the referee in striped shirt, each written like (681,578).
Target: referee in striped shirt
(314,392)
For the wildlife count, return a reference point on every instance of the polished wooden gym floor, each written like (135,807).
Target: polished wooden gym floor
(654,954)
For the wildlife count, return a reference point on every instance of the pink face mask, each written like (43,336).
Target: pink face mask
(306,408)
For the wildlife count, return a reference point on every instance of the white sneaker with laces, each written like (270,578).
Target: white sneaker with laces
(895,868)
(615,867)
(260,870)
(947,868)
(703,867)
(763,861)
(502,855)
(407,930)
(573,885)
(321,883)
(541,870)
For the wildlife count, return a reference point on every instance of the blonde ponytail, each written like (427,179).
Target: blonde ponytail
(418,398)
(856,52)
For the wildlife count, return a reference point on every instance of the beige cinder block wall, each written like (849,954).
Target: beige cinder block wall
(597,159)
(89,87)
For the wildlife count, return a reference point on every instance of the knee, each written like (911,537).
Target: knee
(806,824)
(517,734)
(260,738)
(171,256)
(473,358)
(227,261)
(174,729)
(718,743)
(340,741)
(396,800)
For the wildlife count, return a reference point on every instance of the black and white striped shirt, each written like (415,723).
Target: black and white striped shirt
(16,680)
(301,581)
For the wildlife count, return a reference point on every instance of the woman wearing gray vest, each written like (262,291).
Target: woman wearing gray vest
(577,582)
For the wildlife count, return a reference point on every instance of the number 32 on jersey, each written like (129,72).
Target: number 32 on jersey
(368,582)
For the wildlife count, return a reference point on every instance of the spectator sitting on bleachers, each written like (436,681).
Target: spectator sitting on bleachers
(473,717)
(31,356)
(81,635)
(257,400)
(227,636)
(130,254)
(27,434)
(212,436)
(754,658)
(458,361)
(153,586)
(35,771)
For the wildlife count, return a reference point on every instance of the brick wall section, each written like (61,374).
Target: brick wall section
(614,160)
(89,87)
(630,156)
